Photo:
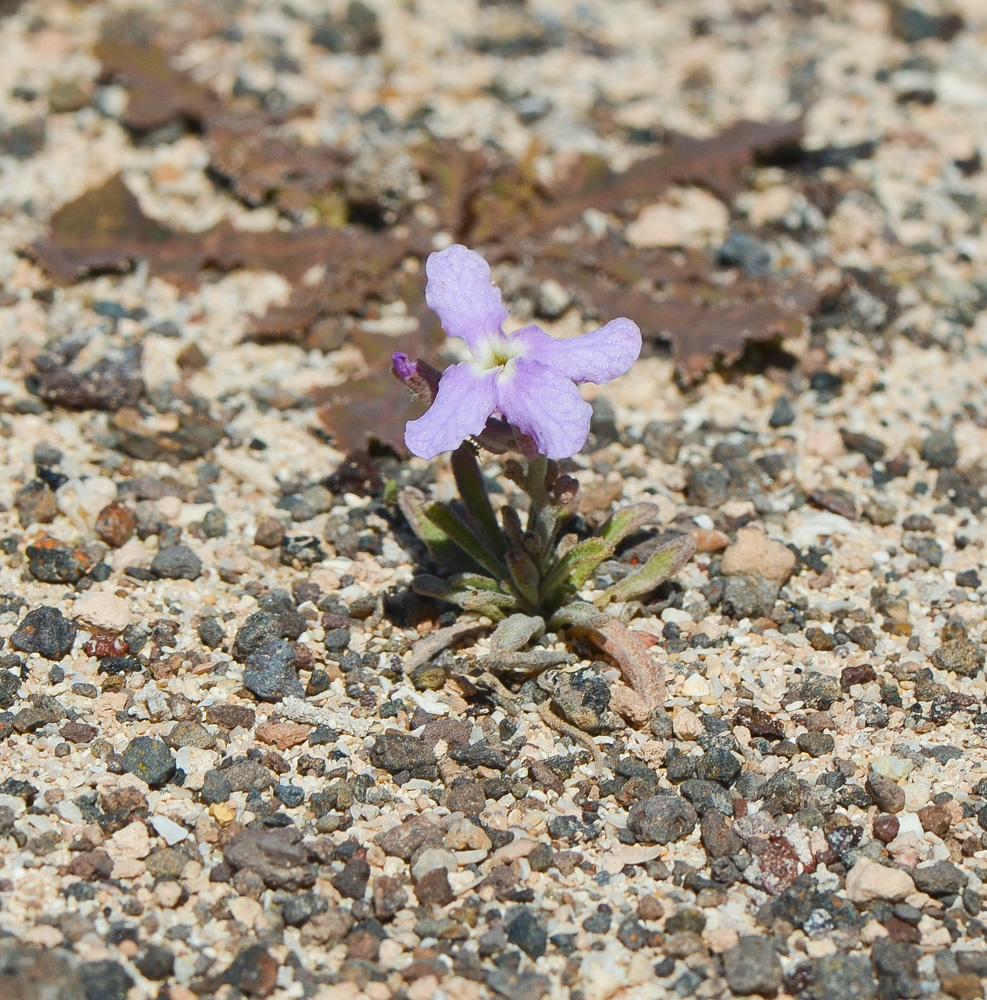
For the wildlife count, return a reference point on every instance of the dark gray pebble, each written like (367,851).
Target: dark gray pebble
(751,966)
(214,523)
(662,819)
(215,787)
(718,764)
(155,962)
(599,922)
(922,546)
(842,977)
(896,964)
(748,597)
(45,630)
(105,979)
(661,439)
(819,690)
(961,655)
(394,752)
(632,934)
(177,562)
(679,767)
(518,985)
(290,795)
(479,754)
(149,759)
(939,450)
(260,627)
(336,640)
(749,254)
(871,448)
(307,504)
(269,672)
(782,415)
(718,837)
(705,795)
(276,854)
(211,632)
(884,793)
(352,881)
(527,930)
(299,909)
(53,562)
(815,744)
(942,878)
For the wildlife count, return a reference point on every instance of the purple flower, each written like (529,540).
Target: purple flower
(527,376)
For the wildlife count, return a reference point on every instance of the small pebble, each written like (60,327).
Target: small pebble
(149,759)
(177,562)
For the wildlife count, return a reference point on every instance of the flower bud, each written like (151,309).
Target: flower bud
(419,376)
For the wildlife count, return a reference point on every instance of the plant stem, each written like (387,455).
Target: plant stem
(542,516)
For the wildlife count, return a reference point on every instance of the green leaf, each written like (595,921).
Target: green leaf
(441,547)
(474,581)
(453,526)
(663,565)
(516,631)
(494,606)
(573,569)
(627,520)
(473,489)
(483,600)
(524,575)
(513,531)
(578,613)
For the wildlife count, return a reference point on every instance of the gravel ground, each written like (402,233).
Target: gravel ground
(240,757)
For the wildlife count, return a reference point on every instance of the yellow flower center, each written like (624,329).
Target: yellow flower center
(496,351)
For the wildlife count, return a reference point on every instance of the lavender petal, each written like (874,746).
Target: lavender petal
(545,405)
(460,293)
(464,401)
(596,357)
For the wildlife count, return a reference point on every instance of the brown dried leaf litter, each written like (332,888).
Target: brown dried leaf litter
(483,198)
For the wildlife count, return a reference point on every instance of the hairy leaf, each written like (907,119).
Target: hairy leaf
(448,521)
(441,548)
(577,613)
(631,654)
(624,522)
(663,565)
(574,568)
(524,575)
(473,489)
(516,631)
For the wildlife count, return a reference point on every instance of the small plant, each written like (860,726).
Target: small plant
(519,393)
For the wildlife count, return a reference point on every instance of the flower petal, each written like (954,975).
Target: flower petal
(593,357)
(464,401)
(545,405)
(460,293)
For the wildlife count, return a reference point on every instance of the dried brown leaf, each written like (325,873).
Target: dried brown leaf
(702,318)
(105,229)
(263,166)
(716,163)
(159,93)
(377,407)
(364,270)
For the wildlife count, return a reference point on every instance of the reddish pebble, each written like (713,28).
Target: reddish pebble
(102,646)
(115,523)
(935,819)
(899,930)
(885,827)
